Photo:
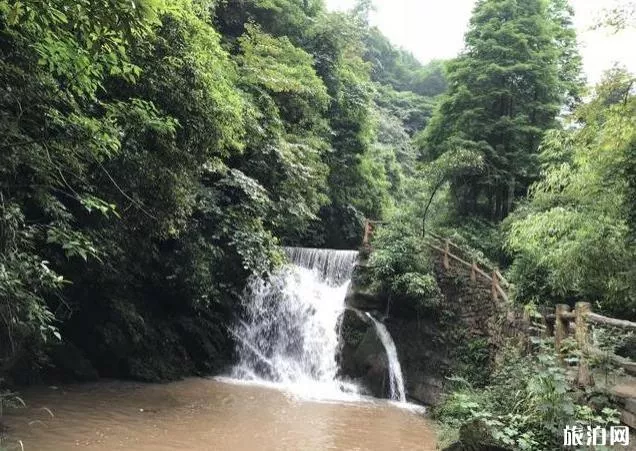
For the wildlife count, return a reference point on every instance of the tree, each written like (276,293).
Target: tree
(518,69)
(571,239)
(155,154)
(336,44)
(291,18)
(53,63)
(287,131)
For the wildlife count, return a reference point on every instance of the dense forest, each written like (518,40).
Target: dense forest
(155,154)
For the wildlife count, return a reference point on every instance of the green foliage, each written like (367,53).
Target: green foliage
(480,240)
(402,265)
(371,123)
(320,128)
(525,405)
(473,362)
(279,67)
(401,70)
(286,133)
(54,60)
(158,151)
(571,239)
(82,45)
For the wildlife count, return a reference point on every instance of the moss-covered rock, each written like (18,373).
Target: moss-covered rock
(364,292)
(423,348)
(439,333)
(364,299)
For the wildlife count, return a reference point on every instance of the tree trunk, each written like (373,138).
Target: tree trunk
(511,194)
(504,202)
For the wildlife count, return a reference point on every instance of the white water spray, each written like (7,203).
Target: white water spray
(290,332)
(396,380)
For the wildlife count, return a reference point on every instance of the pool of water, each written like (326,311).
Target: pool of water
(208,414)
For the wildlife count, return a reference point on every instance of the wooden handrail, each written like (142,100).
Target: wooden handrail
(568,316)
(451,244)
(463,262)
(617,360)
(563,318)
(614,322)
(368,230)
(597,319)
(582,315)
(502,278)
(500,291)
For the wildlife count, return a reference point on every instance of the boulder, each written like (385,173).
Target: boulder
(424,356)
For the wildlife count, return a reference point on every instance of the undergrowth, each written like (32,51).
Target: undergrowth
(526,404)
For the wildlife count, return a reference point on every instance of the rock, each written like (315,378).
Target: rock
(426,390)
(431,342)
(362,357)
(353,326)
(423,355)
(364,294)
(364,299)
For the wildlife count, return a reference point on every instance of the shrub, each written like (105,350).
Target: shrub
(403,265)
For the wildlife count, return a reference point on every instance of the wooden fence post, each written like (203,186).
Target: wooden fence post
(548,328)
(560,327)
(526,330)
(473,272)
(493,287)
(367,230)
(446,251)
(583,377)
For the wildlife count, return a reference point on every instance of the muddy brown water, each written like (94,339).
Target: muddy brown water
(207,414)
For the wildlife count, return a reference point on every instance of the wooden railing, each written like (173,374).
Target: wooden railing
(452,245)
(494,278)
(581,318)
(443,246)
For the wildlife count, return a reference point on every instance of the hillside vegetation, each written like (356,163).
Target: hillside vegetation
(156,153)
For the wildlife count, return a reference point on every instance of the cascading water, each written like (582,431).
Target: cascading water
(396,380)
(289,332)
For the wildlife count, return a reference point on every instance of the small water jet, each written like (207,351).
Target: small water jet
(396,380)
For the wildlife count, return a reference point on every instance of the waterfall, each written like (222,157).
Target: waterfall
(396,380)
(289,331)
